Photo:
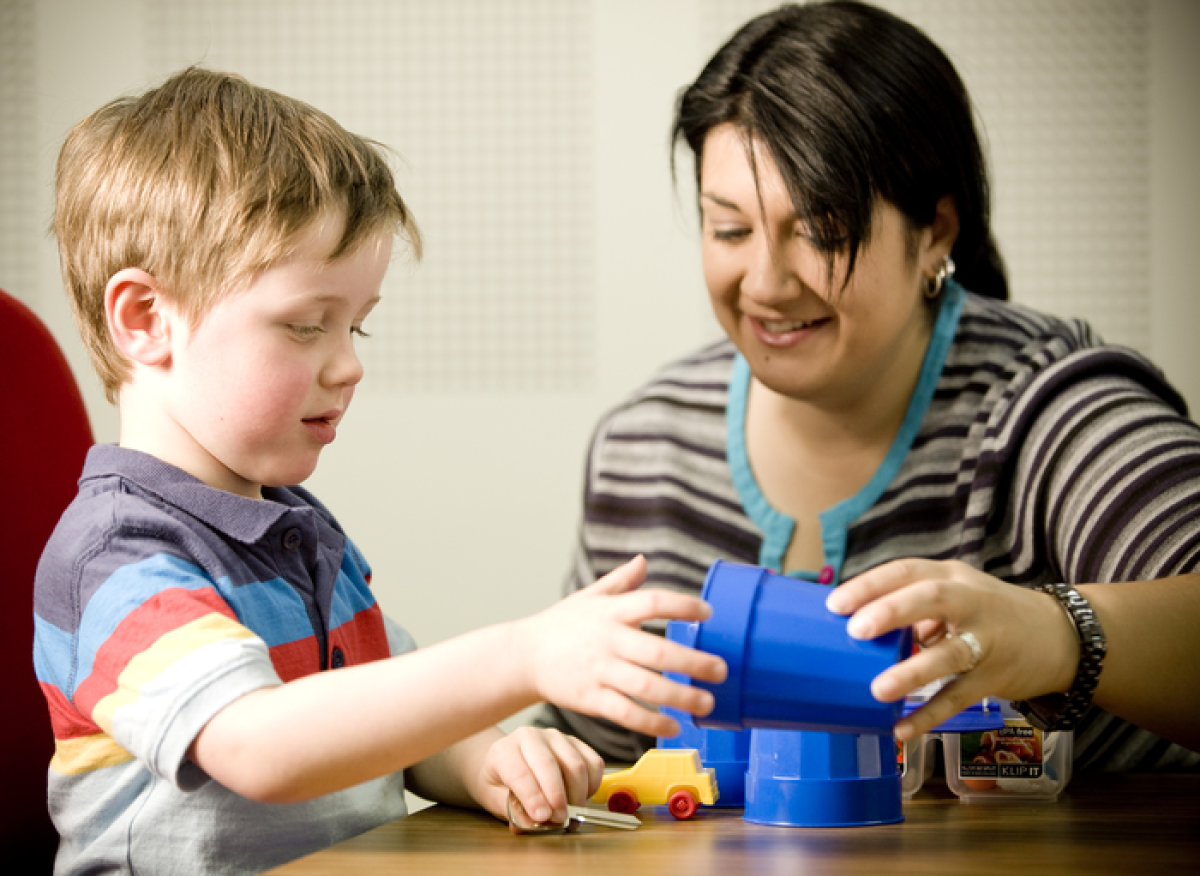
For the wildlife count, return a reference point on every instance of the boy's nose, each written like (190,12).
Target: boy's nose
(344,368)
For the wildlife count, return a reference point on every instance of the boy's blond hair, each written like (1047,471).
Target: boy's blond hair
(203,182)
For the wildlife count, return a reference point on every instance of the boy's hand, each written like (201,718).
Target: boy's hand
(545,770)
(588,653)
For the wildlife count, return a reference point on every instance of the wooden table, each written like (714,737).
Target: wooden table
(1135,824)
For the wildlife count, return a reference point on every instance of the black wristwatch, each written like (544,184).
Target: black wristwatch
(1057,711)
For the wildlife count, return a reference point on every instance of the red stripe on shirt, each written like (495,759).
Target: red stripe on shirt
(65,719)
(363,638)
(160,614)
(296,659)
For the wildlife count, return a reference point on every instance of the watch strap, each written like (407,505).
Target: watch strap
(1057,712)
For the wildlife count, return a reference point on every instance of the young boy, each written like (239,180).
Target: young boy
(223,245)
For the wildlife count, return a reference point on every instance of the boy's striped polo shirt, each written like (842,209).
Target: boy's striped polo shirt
(160,600)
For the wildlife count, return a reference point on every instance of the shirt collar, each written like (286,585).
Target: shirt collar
(244,519)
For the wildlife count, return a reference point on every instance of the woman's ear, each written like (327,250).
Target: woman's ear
(944,231)
(138,317)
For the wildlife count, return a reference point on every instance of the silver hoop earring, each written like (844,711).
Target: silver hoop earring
(933,286)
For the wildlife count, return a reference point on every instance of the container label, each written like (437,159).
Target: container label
(1012,752)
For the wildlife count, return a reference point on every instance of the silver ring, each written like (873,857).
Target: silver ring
(968,639)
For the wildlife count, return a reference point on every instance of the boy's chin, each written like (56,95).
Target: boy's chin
(290,476)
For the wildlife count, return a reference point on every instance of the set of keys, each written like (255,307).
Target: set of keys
(519,821)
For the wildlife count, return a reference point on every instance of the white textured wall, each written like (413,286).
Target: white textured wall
(534,133)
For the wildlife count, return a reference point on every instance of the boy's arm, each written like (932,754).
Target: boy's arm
(443,776)
(332,730)
(544,768)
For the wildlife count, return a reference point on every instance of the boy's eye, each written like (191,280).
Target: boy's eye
(358,330)
(304,332)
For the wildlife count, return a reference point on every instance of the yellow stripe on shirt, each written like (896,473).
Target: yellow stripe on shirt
(164,653)
(86,753)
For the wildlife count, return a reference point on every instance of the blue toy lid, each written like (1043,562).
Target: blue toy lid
(985,715)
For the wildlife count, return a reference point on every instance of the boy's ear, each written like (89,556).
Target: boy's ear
(138,317)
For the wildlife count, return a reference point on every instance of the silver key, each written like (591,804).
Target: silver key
(602,817)
(519,820)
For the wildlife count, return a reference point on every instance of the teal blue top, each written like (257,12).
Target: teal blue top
(777,527)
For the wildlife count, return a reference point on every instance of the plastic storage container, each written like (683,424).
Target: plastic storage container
(1016,762)
(916,757)
(915,760)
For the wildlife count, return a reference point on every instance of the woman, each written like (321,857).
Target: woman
(880,416)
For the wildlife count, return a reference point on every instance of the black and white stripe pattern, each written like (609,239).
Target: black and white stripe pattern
(1044,456)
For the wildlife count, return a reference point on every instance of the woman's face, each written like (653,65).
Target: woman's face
(803,334)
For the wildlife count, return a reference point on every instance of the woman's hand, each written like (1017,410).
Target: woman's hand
(589,654)
(1027,645)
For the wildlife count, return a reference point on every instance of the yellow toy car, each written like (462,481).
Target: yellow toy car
(672,776)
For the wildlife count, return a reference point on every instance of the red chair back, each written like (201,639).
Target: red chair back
(43,440)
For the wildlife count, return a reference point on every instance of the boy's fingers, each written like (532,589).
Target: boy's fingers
(521,781)
(573,766)
(647,686)
(621,579)
(594,763)
(620,709)
(554,776)
(655,652)
(649,604)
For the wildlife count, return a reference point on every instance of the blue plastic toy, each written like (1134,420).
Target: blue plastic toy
(727,752)
(821,751)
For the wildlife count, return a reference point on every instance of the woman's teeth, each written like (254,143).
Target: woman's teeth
(779,326)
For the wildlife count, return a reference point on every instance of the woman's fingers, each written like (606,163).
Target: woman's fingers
(950,700)
(858,591)
(924,599)
(949,656)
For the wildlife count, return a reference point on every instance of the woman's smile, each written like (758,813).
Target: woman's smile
(786,333)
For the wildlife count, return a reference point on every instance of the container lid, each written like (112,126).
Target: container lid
(984,715)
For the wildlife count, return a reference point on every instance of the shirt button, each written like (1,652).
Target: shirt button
(292,539)
(337,660)
(826,576)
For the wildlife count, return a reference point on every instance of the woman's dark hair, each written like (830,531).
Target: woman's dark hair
(852,103)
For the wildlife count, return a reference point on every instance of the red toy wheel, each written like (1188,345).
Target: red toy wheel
(682,804)
(625,802)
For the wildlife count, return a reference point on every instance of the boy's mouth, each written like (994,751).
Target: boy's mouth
(323,428)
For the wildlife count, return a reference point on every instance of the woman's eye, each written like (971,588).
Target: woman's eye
(730,234)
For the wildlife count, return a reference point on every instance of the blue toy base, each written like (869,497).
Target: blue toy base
(731,783)
(823,802)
